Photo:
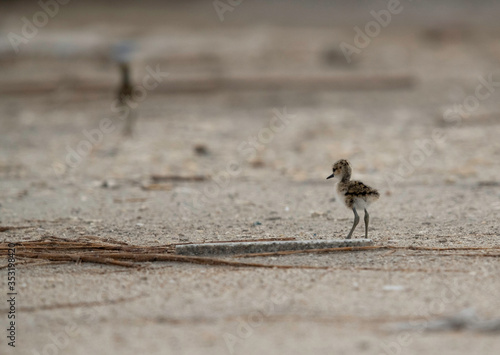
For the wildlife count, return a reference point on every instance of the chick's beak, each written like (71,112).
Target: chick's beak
(330,176)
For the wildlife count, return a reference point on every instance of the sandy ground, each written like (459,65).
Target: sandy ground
(438,178)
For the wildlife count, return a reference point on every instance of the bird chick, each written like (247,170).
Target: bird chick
(354,194)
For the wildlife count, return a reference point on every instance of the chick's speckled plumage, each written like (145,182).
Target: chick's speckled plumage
(353,194)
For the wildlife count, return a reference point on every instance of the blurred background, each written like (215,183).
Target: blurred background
(97,94)
(235,61)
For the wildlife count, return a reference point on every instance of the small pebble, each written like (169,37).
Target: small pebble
(201,149)
(393,288)
(109,184)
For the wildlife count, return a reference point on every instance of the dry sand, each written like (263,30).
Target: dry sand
(439,185)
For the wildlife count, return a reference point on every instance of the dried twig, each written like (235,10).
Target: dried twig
(99,250)
(210,83)
(106,261)
(158,187)
(6,228)
(177,178)
(461,254)
(80,304)
(106,240)
(441,249)
(309,251)
(105,257)
(27,263)
(375,247)
(240,241)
